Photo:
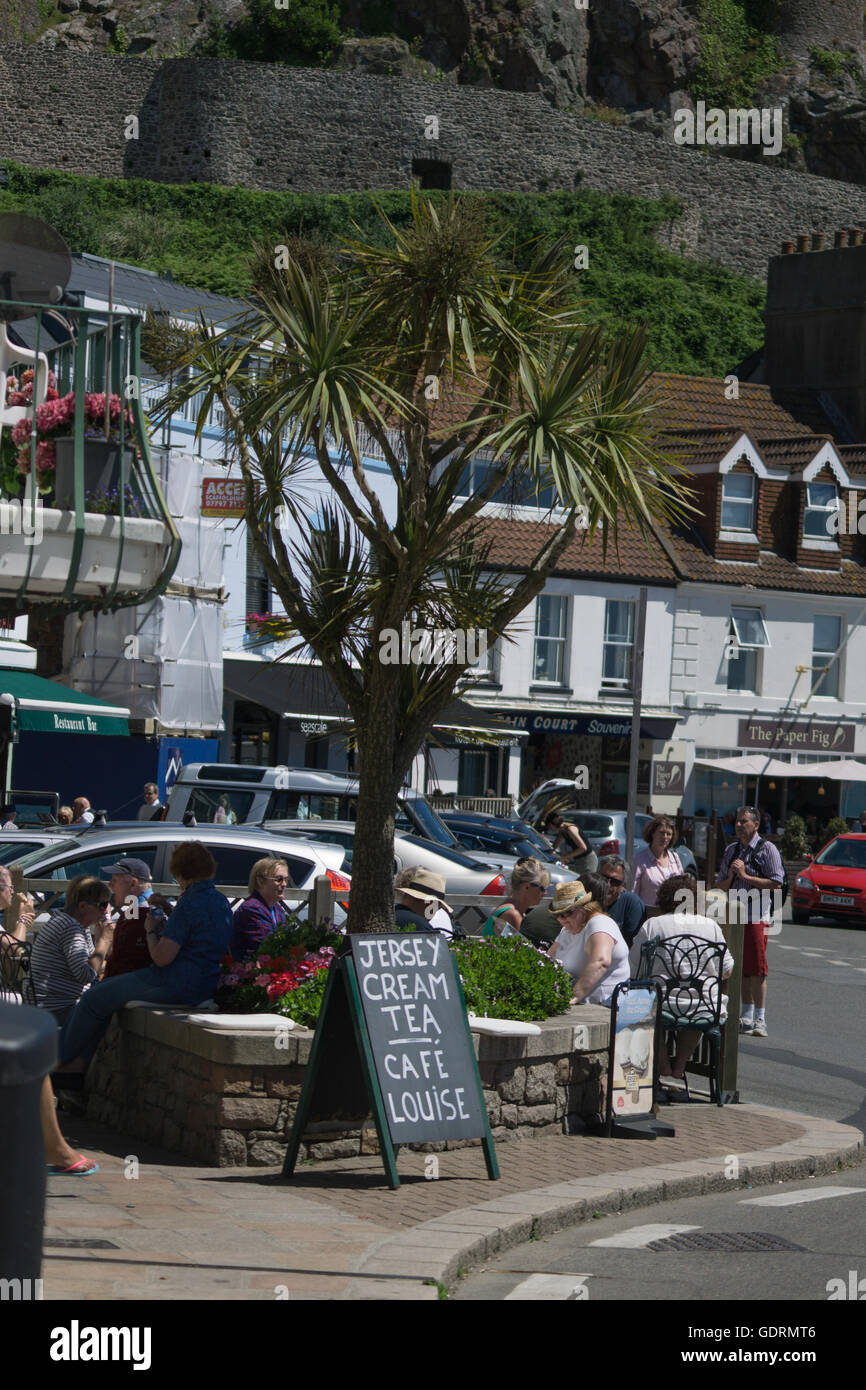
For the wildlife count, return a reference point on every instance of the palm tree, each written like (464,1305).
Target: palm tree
(437,352)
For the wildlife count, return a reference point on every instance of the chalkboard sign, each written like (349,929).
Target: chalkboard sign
(393,1039)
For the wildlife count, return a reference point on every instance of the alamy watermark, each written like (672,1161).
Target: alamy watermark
(847,518)
(437,646)
(733,905)
(736,126)
(23,519)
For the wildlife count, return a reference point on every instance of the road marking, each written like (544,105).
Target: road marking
(805,1194)
(540,1288)
(639,1236)
(813,953)
(838,962)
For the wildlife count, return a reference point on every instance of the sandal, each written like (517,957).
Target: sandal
(81,1168)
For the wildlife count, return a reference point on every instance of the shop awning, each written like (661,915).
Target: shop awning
(758,765)
(307,699)
(43,706)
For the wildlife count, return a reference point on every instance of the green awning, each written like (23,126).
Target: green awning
(42,706)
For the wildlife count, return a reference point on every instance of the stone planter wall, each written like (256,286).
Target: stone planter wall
(229,1098)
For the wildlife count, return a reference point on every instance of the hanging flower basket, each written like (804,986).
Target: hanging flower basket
(55,421)
(103,459)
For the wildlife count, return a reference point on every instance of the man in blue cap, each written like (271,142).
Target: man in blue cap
(130,888)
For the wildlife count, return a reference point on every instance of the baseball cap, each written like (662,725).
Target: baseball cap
(136,867)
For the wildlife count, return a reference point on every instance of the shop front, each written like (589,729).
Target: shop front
(810,768)
(559,744)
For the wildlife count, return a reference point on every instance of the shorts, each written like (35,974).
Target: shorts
(755,950)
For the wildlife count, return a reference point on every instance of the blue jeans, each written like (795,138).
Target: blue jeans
(82,1033)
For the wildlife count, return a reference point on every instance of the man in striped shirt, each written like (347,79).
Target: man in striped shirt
(70,951)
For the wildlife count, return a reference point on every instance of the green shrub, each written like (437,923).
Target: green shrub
(508,978)
(307,31)
(737,53)
(835,826)
(795,841)
(699,316)
(829,61)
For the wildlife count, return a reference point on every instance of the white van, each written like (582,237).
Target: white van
(232,793)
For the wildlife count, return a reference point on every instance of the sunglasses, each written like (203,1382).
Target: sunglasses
(613,880)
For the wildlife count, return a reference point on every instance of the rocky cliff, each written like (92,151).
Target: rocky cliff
(630,62)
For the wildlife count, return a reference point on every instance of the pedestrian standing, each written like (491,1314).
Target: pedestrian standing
(7,815)
(657,862)
(751,864)
(81,812)
(153,807)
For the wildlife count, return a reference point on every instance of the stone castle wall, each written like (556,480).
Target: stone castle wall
(264,126)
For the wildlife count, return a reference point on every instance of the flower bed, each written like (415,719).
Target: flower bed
(505,977)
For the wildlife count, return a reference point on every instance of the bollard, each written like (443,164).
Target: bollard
(28,1051)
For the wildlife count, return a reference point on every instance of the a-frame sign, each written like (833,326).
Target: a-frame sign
(393,1039)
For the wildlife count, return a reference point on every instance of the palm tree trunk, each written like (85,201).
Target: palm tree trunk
(371,902)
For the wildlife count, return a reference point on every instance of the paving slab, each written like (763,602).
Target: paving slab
(336,1231)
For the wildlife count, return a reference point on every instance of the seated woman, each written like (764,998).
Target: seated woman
(70,951)
(61,1159)
(263,911)
(186,957)
(529,881)
(420,902)
(590,946)
(675,897)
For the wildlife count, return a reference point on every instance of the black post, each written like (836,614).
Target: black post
(28,1051)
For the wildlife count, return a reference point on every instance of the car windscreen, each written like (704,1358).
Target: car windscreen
(593,825)
(16,849)
(456,856)
(843,854)
(415,815)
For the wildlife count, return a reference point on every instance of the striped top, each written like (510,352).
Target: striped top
(60,963)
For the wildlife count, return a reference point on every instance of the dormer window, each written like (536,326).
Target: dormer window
(822,504)
(738,502)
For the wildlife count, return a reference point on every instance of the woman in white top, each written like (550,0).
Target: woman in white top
(590,946)
(657,862)
(675,899)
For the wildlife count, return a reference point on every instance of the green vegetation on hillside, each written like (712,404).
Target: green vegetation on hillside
(737,51)
(302,33)
(701,318)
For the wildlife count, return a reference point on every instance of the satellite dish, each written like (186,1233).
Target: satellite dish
(35,265)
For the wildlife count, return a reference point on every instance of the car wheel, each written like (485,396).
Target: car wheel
(799,918)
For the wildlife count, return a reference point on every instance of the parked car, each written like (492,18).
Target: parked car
(463,874)
(834,884)
(16,843)
(464,823)
(235,849)
(604,832)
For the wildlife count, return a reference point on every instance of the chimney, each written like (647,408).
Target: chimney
(803,242)
(815,324)
(817,241)
(787,248)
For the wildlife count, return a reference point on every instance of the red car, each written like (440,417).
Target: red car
(834,884)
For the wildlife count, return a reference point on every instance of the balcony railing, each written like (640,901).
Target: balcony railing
(82,515)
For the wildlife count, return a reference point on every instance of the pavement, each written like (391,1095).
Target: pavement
(153,1226)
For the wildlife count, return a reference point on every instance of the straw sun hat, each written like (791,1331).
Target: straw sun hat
(569,895)
(426,887)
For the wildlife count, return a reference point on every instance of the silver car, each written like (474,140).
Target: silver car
(235,850)
(464,874)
